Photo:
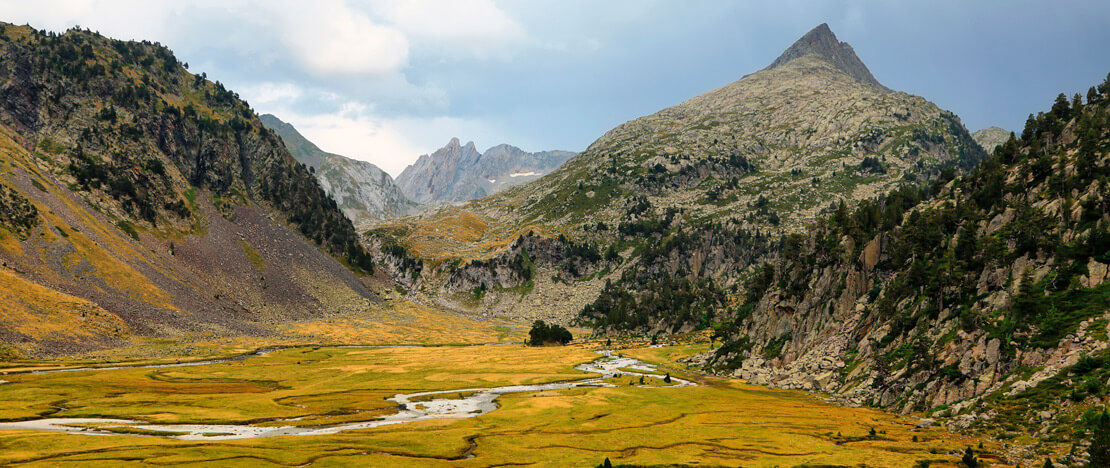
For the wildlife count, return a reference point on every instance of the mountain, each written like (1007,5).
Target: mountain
(983,300)
(457,173)
(433,177)
(989,138)
(364,192)
(765,155)
(505,166)
(139,200)
(811,129)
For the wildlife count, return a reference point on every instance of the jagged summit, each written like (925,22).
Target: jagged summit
(823,42)
(459,172)
(456,143)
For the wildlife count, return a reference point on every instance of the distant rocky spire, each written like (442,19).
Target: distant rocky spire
(823,42)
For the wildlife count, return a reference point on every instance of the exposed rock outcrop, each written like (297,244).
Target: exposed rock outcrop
(822,42)
(990,137)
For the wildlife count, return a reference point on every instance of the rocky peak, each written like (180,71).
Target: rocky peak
(822,42)
(432,176)
(458,172)
(455,150)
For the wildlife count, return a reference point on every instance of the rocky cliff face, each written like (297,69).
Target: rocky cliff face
(139,199)
(364,192)
(457,172)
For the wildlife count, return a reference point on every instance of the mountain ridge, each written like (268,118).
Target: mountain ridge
(983,300)
(364,192)
(457,173)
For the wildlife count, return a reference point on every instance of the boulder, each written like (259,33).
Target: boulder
(1000,220)
(1018,387)
(925,423)
(1096,274)
(870,254)
(992,351)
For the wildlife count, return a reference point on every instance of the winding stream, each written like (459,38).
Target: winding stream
(479,401)
(205,362)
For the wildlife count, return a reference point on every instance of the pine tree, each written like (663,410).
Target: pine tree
(1028,303)
(1100,443)
(969,458)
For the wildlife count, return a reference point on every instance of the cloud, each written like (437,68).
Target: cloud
(326,37)
(329,37)
(124,19)
(472,25)
(271,93)
(363,137)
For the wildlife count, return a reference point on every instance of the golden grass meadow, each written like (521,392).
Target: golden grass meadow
(718,422)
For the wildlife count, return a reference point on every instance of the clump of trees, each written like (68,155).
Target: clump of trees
(666,287)
(543,334)
(17,214)
(873,165)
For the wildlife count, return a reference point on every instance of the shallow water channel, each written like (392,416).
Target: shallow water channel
(474,402)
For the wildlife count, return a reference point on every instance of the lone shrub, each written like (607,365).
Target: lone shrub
(543,333)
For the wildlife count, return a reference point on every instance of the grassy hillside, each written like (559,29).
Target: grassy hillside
(158,196)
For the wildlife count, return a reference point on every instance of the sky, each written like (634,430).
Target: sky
(388,80)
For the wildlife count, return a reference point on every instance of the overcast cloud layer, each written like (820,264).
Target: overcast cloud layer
(386,81)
